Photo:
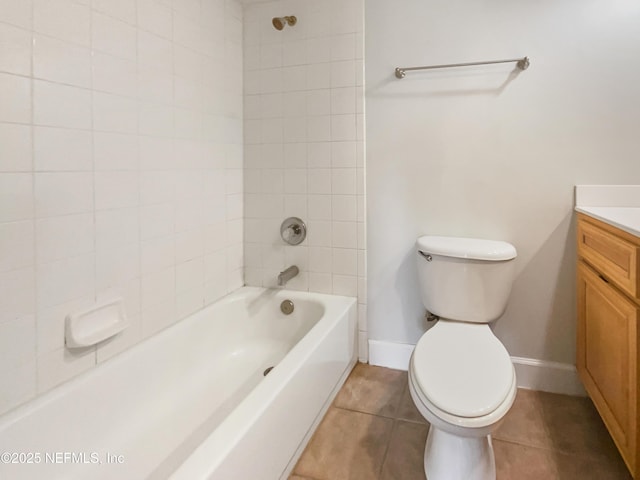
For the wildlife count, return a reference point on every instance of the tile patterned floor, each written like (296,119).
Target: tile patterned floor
(373,432)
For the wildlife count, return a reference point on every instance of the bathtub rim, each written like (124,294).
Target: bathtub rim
(207,456)
(20,411)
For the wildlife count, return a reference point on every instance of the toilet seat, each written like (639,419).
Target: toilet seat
(474,426)
(462,371)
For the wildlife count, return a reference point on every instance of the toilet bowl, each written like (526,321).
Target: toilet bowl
(461,378)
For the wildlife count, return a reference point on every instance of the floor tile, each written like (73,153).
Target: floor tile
(544,436)
(575,427)
(374,390)
(519,462)
(347,445)
(556,422)
(524,423)
(571,467)
(407,409)
(405,455)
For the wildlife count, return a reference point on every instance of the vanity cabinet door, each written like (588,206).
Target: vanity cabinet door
(607,353)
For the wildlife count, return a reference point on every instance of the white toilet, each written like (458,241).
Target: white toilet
(460,376)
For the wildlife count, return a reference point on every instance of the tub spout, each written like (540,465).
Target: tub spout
(286,275)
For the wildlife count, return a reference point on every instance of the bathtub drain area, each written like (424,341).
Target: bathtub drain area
(287,307)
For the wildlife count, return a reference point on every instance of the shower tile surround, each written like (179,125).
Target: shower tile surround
(304,146)
(121,163)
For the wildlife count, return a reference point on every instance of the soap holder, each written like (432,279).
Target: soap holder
(94,325)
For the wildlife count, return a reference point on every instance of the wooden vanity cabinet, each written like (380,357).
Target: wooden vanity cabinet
(607,330)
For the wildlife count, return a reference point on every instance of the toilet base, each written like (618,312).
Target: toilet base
(452,457)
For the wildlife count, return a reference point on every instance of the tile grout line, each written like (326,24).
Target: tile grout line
(386,450)
(382,416)
(554,450)
(93,171)
(33,195)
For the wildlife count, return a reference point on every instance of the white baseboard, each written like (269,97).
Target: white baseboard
(390,354)
(548,376)
(531,373)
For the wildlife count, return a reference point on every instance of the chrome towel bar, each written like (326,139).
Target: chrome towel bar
(521,63)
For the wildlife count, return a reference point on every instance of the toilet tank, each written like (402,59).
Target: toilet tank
(465,279)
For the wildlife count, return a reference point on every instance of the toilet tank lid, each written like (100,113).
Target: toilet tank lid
(473,248)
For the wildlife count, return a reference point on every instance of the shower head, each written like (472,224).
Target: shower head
(280,22)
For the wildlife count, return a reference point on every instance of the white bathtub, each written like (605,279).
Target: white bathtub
(192,402)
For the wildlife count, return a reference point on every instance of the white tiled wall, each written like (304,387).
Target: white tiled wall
(120,172)
(304,146)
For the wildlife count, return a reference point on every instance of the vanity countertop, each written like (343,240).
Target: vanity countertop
(624,218)
(616,205)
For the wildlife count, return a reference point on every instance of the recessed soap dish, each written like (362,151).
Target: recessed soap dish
(92,326)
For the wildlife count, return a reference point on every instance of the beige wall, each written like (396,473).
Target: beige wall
(489,152)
